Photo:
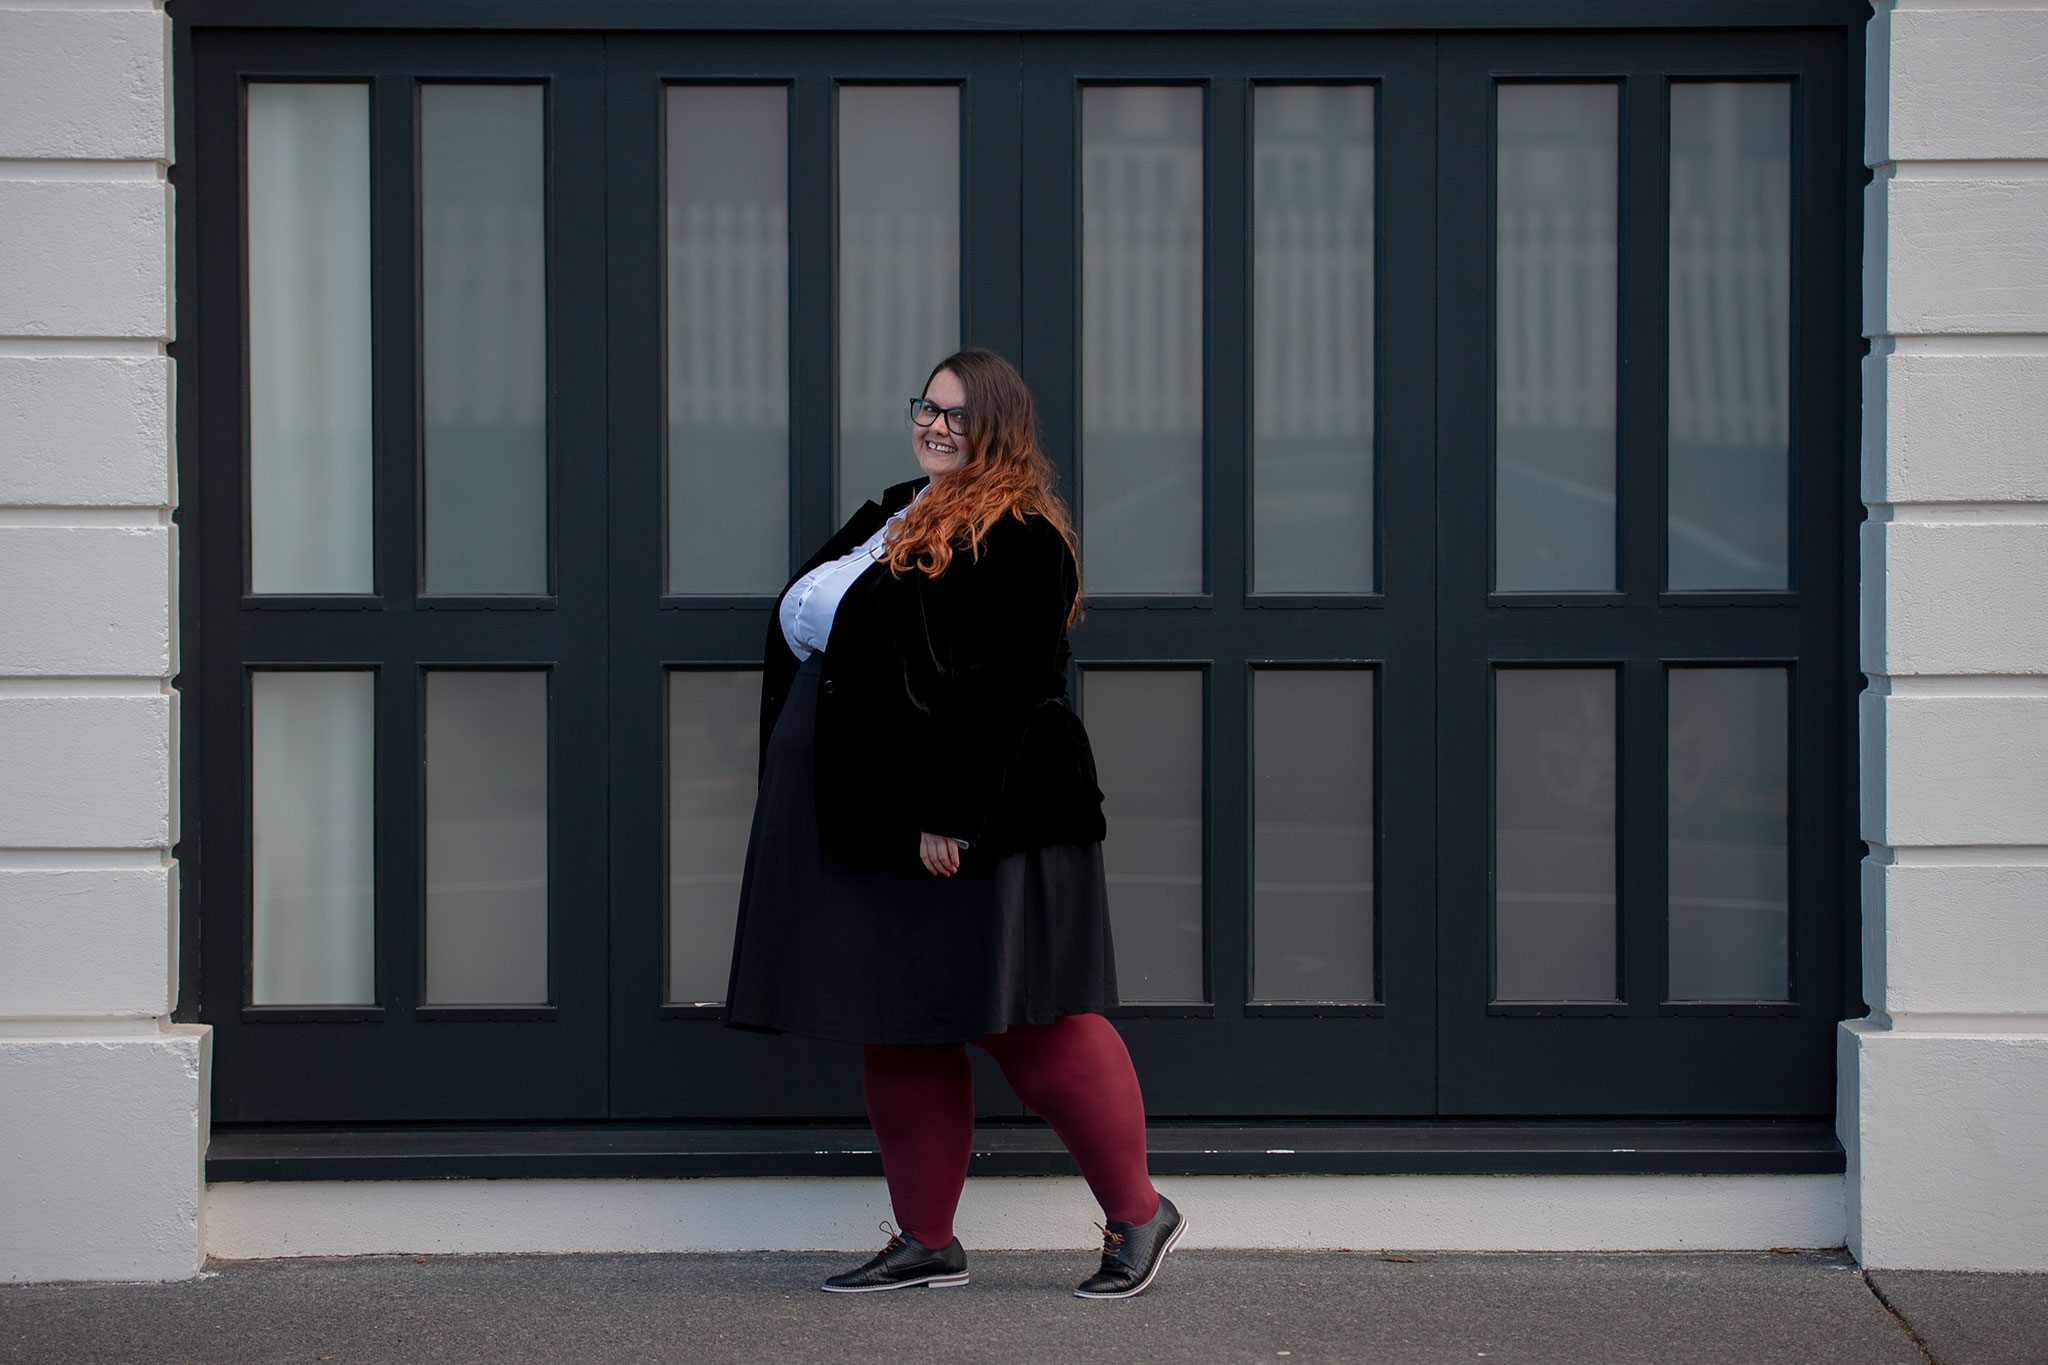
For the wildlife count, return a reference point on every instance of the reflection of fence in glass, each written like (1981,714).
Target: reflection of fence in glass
(1312,321)
(483,337)
(901,319)
(1731,330)
(729,351)
(1555,336)
(1141,270)
(728,389)
(1142,338)
(487,283)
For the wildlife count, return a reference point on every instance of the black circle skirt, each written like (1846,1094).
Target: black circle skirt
(842,953)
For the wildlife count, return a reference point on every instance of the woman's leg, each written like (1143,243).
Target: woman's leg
(921,1103)
(1076,1075)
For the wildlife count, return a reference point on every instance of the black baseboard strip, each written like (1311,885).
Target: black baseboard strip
(601,1151)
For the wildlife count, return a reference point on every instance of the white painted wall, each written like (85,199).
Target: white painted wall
(102,1099)
(1944,1089)
(1315,1212)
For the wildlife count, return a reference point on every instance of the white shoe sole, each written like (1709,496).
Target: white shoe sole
(929,1282)
(1142,1285)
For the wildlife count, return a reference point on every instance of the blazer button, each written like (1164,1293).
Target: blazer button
(826,687)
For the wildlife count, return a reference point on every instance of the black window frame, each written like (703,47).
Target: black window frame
(1832,25)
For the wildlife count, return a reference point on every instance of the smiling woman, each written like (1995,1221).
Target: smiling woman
(925,868)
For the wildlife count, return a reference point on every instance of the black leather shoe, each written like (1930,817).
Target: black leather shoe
(903,1263)
(1132,1254)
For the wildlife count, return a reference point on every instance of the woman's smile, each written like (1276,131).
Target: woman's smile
(939,450)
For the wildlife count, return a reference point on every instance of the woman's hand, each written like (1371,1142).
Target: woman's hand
(940,854)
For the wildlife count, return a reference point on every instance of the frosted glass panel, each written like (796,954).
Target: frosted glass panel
(1731,335)
(487,838)
(728,338)
(714,741)
(1141,338)
(309,339)
(312,845)
(1312,338)
(1554,844)
(1555,338)
(1147,731)
(483,304)
(1312,905)
(899,271)
(1730,813)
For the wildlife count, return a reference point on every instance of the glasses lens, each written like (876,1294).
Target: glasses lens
(922,413)
(956,421)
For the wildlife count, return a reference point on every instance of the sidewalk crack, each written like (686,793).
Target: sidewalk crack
(1897,1316)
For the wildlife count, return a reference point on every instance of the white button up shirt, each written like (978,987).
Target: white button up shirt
(813,600)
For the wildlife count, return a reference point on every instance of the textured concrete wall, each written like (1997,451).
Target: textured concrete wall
(102,1099)
(1944,1089)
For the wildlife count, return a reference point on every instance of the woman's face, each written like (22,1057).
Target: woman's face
(939,451)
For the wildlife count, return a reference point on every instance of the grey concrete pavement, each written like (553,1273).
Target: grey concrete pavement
(1808,1308)
(1984,1319)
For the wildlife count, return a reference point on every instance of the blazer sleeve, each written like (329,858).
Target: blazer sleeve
(996,632)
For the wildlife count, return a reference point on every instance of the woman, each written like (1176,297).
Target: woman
(925,869)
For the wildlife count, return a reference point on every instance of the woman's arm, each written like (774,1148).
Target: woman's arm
(994,632)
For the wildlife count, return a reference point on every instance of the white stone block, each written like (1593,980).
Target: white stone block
(1959,85)
(1948,770)
(79,942)
(1948,1142)
(101,1144)
(85,258)
(84,83)
(1956,256)
(85,431)
(1955,597)
(1958,940)
(85,600)
(1955,428)
(272,1218)
(85,772)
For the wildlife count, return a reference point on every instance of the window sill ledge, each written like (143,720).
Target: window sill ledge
(1388,1147)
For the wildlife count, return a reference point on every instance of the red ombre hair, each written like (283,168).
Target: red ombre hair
(1006,474)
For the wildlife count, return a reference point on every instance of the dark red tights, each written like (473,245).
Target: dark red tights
(1074,1073)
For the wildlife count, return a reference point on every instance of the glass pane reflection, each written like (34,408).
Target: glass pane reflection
(1312,338)
(1146,727)
(1730,813)
(487,838)
(1555,338)
(312,858)
(1731,332)
(1141,338)
(714,724)
(1312,840)
(1554,843)
(483,355)
(309,338)
(728,338)
(899,271)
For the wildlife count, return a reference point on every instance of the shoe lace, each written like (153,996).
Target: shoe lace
(895,1237)
(1112,1242)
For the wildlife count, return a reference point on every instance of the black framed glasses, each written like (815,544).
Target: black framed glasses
(924,412)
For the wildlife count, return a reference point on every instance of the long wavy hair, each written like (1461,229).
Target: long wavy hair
(1006,473)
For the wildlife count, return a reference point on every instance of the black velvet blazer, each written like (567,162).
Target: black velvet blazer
(943,705)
